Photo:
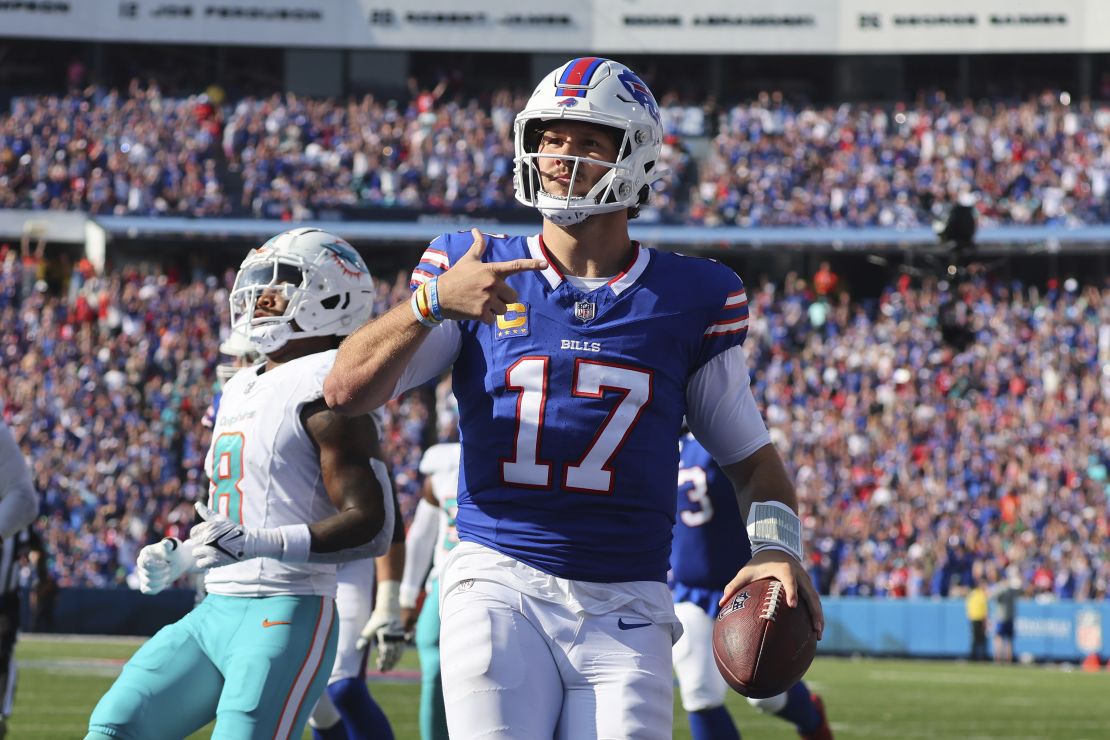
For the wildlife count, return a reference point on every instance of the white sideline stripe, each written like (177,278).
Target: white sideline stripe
(308,671)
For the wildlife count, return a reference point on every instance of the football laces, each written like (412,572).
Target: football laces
(771,601)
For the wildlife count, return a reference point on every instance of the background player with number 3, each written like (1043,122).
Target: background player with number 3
(295,489)
(706,552)
(576,353)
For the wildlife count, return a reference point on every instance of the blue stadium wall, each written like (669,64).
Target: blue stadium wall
(1059,631)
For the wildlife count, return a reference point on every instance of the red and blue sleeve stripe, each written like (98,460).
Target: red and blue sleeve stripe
(733,318)
(729,327)
(433,262)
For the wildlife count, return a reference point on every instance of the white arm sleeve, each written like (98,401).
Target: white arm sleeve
(420,545)
(435,355)
(721,410)
(19,503)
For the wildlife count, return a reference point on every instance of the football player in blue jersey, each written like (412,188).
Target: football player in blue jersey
(575,354)
(706,553)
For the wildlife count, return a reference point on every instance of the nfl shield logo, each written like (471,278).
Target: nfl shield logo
(585,310)
(736,603)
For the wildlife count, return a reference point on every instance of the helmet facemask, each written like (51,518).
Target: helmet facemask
(606,195)
(267,333)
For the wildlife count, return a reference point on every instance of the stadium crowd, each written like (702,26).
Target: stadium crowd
(107,390)
(917,465)
(764,162)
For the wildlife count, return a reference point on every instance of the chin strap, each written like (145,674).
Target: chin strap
(562,212)
(563,216)
(271,338)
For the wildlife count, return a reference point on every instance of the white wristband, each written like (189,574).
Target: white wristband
(408,595)
(774,525)
(296,543)
(388,599)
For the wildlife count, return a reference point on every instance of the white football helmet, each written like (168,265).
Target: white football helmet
(328,286)
(238,347)
(598,91)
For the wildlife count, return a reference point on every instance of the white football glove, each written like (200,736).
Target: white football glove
(220,541)
(385,626)
(162,563)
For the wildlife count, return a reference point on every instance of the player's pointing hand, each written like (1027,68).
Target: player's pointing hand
(473,289)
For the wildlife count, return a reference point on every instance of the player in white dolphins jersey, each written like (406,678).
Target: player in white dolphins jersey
(295,489)
(430,540)
(346,709)
(260,444)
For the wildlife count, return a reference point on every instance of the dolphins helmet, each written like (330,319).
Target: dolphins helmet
(324,279)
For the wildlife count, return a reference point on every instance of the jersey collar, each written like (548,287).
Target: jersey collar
(621,282)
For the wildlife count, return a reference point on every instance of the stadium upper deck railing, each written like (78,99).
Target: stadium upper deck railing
(76,227)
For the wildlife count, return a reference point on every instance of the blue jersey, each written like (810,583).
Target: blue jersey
(710,542)
(571,403)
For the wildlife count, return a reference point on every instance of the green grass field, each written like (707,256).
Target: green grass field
(61,679)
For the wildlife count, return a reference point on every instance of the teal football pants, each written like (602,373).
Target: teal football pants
(256,665)
(433,719)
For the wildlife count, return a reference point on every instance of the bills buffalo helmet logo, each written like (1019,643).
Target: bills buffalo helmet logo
(639,92)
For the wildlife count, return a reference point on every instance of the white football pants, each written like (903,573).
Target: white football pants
(699,681)
(354,597)
(354,594)
(515,666)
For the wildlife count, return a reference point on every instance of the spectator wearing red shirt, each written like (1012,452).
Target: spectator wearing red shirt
(825,281)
